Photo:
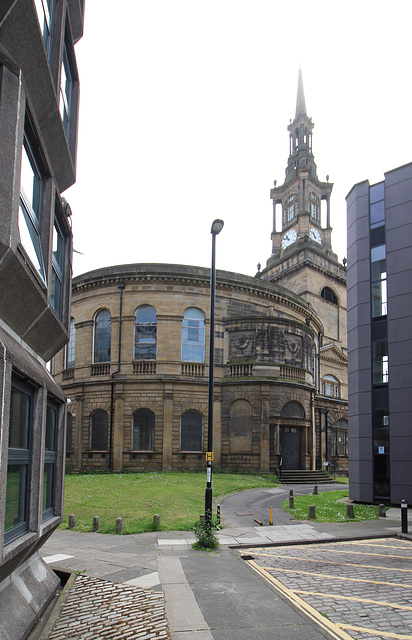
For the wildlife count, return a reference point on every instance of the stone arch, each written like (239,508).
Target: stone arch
(292,409)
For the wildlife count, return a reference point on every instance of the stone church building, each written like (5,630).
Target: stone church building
(136,367)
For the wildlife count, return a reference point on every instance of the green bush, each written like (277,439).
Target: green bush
(205,532)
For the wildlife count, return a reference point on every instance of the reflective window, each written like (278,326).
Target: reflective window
(57,269)
(19,458)
(69,433)
(143,430)
(44,10)
(193,335)
(102,336)
(191,431)
(30,201)
(50,459)
(66,86)
(100,431)
(145,336)
(380,362)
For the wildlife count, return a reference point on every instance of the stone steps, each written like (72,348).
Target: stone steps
(300,476)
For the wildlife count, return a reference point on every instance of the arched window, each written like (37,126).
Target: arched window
(71,346)
(191,431)
(145,333)
(329,295)
(102,336)
(143,430)
(330,386)
(69,433)
(292,409)
(193,335)
(100,431)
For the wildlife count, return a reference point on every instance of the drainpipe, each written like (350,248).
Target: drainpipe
(121,287)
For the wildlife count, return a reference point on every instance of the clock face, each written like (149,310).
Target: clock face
(289,238)
(315,235)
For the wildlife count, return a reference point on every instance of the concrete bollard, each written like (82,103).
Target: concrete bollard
(291,502)
(72,521)
(312,512)
(315,490)
(382,511)
(119,525)
(349,511)
(96,523)
(156,521)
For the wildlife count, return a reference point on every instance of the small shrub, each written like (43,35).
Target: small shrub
(205,535)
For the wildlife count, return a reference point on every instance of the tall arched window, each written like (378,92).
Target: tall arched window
(102,336)
(143,430)
(193,335)
(71,346)
(329,295)
(191,431)
(99,431)
(145,333)
(330,386)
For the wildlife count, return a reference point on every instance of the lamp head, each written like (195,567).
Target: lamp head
(217,227)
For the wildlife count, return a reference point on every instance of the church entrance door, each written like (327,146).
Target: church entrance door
(290,447)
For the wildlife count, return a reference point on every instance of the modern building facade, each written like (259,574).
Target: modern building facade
(136,366)
(39,91)
(379,338)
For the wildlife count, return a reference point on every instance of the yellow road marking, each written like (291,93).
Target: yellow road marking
(325,575)
(376,632)
(340,564)
(365,553)
(392,605)
(336,632)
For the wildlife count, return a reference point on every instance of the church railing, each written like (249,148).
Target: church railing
(292,372)
(144,367)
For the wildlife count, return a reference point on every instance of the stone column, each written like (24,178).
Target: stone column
(312,415)
(168,429)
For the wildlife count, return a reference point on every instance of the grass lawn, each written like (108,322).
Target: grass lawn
(328,509)
(178,498)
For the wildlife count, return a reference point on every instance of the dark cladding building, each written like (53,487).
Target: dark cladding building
(380,338)
(39,92)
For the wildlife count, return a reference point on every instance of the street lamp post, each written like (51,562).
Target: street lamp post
(217,227)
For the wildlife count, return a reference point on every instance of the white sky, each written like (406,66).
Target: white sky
(184,111)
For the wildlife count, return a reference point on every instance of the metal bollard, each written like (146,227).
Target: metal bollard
(315,490)
(271,516)
(290,493)
(404,516)
(291,502)
(218,513)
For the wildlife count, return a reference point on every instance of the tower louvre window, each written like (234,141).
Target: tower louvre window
(329,295)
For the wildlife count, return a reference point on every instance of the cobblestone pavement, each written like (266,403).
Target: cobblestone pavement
(354,589)
(97,609)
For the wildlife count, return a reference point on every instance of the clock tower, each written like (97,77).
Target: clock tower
(302,258)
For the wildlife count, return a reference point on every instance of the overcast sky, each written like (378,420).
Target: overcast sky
(184,111)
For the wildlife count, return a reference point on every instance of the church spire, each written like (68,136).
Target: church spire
(300,136)
(300,101)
